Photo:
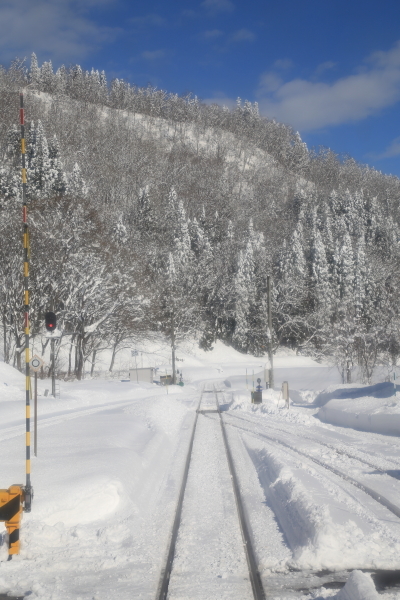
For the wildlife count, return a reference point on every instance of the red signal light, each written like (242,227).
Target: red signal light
(50,321)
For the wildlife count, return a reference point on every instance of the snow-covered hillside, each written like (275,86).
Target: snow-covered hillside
(150,213)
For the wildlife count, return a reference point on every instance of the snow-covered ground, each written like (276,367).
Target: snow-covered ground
(369,408)
(320,494)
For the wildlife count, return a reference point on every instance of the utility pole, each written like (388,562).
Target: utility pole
(51,326)
(173,346)
(53,370)
(35,430)
(5,336)
(171,310)
(270,340)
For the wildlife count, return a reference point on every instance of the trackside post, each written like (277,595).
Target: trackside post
(270,340)
(11,506)
(18,498)
(28,487)
(285,393)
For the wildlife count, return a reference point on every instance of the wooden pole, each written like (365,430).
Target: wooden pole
(53,370)
(270,340)
(173,347)
(35,401)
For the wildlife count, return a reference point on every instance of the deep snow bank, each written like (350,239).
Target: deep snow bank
(12,383)
(323,526)
(359,586)
(368,408)
(354,390)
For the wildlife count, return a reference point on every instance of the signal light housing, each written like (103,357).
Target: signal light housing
(50,321)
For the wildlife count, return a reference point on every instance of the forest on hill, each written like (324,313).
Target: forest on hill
(151,212)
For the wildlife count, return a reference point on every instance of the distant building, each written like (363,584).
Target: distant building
(145,375)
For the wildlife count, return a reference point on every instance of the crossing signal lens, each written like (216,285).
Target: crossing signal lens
(51,321)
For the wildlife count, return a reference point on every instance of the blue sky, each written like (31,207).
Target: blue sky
(329,68)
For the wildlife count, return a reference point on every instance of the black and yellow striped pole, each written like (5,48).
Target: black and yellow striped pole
(19,497)
(28,486)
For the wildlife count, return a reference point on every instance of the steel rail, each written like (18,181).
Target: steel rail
(326,445)
(366,489)
(254,574)
(163,584)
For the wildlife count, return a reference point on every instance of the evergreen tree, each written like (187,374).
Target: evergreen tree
(47,77)
(145,218)
(182,245)
(10,186)
(241,303)
(245,294)
(13,145)
(58,179)
(291,291)
(258,309)
(76,184)
(10,171)
(360,279)
(34,73)
(345,264)
(39,165)
(60,80)
(119,233)
(320,273)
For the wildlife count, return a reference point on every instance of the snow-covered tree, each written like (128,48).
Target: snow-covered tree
(245,294)
(182,245)
(76,184)
(119,233)
(34,73)
(39,164)
(58,179)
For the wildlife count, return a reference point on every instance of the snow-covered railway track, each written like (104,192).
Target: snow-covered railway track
(210,513)
(376,495)
(386,465)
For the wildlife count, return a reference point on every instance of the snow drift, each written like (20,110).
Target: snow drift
(367,408)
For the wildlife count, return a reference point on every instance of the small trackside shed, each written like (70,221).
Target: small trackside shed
(146,375)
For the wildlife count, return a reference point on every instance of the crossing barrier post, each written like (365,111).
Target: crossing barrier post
(11,507)
(28,487)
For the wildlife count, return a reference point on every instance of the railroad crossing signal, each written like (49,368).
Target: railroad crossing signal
(11,506)
(51,321)
(28,492)
(36,363)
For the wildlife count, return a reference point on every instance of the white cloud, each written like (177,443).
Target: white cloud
(309,105)
(243,35)
(269,82)
(59,30)
(325,66)
(392,150)
(215,6)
